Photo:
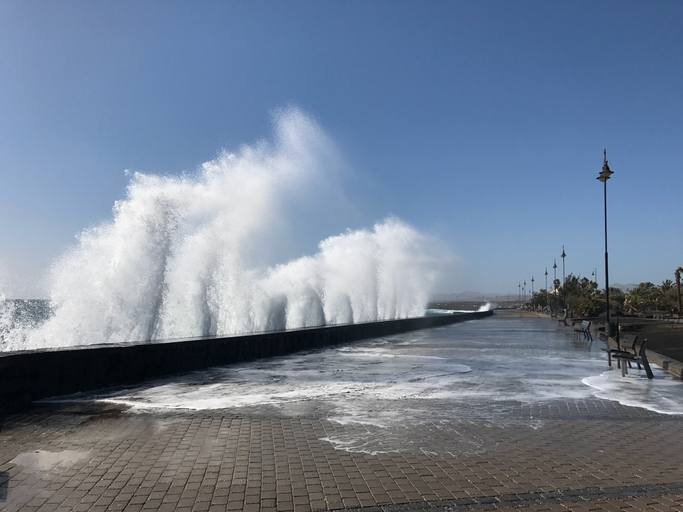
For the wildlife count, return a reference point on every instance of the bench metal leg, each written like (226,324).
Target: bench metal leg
(648,370)
(626,364)
(646,365)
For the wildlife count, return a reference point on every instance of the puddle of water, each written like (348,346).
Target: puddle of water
(45,461)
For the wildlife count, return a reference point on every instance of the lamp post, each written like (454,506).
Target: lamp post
(532,287)
(603,177)
(563,257)
(546,279)
(554,270)
(564,279)
(519,294)
(678,285)
(554,280)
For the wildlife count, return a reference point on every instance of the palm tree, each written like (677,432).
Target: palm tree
(642,298)
(668,292)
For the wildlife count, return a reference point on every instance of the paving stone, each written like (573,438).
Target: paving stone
(497,454)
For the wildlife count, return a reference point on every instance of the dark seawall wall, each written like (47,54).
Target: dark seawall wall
(32,375)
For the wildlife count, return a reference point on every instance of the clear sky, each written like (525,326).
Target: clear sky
(482,123)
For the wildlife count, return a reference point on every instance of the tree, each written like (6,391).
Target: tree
(644,298)
(582,296)
(616,298)
(666,286)
(669,295)
(541,299)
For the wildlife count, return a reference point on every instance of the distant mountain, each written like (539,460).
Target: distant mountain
(470,296)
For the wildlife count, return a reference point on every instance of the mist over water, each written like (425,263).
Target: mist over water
(188,255)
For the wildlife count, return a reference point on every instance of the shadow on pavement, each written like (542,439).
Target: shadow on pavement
(4,484)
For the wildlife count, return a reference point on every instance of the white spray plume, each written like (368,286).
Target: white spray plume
(182,255)
(487,307)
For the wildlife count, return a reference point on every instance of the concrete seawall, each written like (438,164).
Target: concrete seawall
(32,375)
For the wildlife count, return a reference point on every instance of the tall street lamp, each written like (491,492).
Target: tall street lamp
(554,270)
(603,177)
(546,279)
(678,285)
(563,257)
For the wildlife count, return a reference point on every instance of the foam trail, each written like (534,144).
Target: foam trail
(661,395)
(184,255)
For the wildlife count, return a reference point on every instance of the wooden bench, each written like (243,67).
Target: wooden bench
(625,356)
(584,330)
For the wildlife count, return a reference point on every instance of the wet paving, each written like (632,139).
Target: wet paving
(496,368)
(494,413)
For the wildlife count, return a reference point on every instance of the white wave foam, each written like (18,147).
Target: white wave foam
(184,255)
(661,394)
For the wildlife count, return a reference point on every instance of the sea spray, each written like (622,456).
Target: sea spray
(6,315)
(184,256)
(487,307)
(19,318)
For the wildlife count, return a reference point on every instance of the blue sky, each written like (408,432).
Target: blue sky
(480,123)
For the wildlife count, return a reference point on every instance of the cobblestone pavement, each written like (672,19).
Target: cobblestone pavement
(574,454)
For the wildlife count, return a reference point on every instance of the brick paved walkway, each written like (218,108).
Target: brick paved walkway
(586,454)
(98,458)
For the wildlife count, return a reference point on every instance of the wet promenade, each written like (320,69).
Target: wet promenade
(503,413)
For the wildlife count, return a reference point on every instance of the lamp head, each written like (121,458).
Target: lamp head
(605,173)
